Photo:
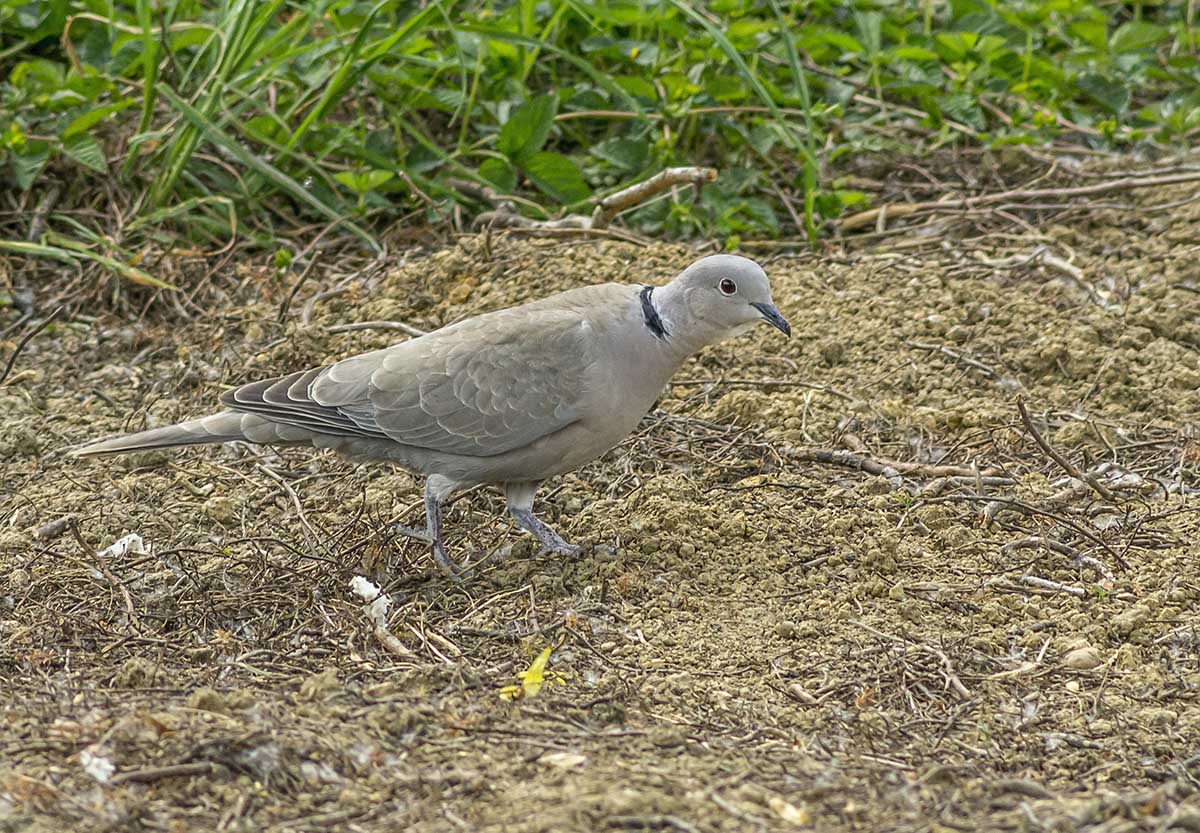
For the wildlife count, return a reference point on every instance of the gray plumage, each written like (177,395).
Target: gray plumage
(510,397)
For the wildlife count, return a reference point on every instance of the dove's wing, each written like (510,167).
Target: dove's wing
(482,387)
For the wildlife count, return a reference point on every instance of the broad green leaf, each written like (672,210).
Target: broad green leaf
(85,150)
(1136,35)
(914,53)
(527,129)
(93,117)
(954,46)
(627,154)
(637,86)
(814,37)
(499,173)
(1092,32)
(1109,93)
(557,177)
(28,166)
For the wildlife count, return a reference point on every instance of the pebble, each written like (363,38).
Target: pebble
(1083,658)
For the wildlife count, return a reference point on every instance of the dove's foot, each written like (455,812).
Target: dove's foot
(551,540)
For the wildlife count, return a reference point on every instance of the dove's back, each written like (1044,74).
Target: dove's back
(520,393)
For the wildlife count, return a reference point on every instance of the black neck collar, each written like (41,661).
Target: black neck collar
(654,322)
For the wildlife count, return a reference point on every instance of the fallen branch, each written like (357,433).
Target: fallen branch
(1066,465)
(957,356)
(614,204)
(870,217)
(505,216)
(1046,584)
(145,776)
(894,471)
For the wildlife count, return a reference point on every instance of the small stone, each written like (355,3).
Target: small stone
(563,760)
(1083,658)
(666,737)
(1156,716)
(786,630)
(896,593)
(138,672)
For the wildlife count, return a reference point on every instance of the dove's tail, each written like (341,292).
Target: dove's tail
(218,428)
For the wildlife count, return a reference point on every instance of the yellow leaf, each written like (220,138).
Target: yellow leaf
(532,678)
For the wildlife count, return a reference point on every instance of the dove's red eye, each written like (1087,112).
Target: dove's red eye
(727,286)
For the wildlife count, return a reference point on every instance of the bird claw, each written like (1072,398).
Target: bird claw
(452,571)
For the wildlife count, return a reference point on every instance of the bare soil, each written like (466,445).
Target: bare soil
(833,582)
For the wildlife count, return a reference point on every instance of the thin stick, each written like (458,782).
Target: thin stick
(957,356)
(1065,464)
(606,210)
(1046,584)
(867,218)
(145,776)
(25,340)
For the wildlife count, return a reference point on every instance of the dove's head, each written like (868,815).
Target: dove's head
(726,294)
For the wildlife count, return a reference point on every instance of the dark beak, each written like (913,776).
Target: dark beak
(773,317)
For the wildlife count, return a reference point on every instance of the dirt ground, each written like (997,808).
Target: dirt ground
(832,583)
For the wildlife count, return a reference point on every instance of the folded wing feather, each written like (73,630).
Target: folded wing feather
(483,387)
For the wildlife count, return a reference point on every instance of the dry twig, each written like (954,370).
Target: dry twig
(864,219)
(1066,465)
(505,216)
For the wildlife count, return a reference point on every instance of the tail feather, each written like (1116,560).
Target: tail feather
(218,428)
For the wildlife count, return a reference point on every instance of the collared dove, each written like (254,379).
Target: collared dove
(508,398)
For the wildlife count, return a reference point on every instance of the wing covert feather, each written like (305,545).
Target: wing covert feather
(481,387)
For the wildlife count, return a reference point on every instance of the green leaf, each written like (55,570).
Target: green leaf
(528,128)
(1093,32)
(362,182)
(1110,94)
(627,154)
(28,166)
(95,116)
(954,46)
(914,53)
(557,177)
(637,86)
(839,42)
(1136,35)
(499,173)
(85,150)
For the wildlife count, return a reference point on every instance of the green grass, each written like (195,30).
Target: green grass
(271,117)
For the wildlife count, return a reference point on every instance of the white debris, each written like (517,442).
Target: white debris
(380,602)
(364,588)
(377,607)
(97,766)
(131,543)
